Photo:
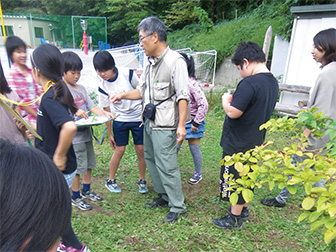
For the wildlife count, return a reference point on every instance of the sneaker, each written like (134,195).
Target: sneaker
(61,247)
(142,186)
(229,222)
(197,177)
(81,204)
(173,217)
(157,202)
(245,216)
(83,249)
(272,202)
(91,196)
(112,186)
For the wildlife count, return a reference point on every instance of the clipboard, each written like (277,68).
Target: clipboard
(92,121)
(19,117)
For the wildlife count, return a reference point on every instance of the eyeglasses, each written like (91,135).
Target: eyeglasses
(140,39)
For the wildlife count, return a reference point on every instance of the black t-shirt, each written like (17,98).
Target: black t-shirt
(256,96)
(51,115)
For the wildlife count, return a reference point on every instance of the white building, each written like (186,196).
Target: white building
(31,29)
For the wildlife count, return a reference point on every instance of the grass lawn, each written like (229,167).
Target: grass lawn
(121,222)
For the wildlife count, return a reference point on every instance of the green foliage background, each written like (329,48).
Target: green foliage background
(199,24)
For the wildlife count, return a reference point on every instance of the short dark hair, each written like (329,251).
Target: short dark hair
(152,24)
(326,41)
(190,64)
(4,88)
(34,198)
(250,51)
(13,43)
(103,61)
(72,62)
(48,60)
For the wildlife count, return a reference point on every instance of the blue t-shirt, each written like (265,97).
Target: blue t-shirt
(51,115)
(256,96)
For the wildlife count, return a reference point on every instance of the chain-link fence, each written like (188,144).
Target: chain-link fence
(62,31)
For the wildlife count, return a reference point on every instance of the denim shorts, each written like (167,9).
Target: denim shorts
(195,134)
(121,132)
(69,178)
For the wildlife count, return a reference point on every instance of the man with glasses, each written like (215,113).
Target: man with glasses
(165,86)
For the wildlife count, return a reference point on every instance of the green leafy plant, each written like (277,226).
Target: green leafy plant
(262,165)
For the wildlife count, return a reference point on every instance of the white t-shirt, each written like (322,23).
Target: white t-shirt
(126,110)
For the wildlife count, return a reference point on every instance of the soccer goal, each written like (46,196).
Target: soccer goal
(205,65)
(133,57)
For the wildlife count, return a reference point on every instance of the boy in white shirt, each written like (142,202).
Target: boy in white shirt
(120,80)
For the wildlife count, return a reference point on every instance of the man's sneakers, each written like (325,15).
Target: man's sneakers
(91,196)
(112,186)
(173,217)
(272,202)
(197,177)
(142,186)
(62,248)
(157,202)
(81,204)
(229,222)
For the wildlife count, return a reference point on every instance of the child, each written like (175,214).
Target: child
(250,106)
(55,123)
(195,129)
(36,218)
(9,129)
(82,142)
(118,80)
(20,77)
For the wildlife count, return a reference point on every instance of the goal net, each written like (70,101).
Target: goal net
(133,57)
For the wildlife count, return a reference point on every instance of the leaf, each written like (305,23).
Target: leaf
(308,203)
(234,198)
(239,166)
(314,216)
(332,210)
(308,187)
(303,216)
(229,163)
(330,223)
(255,167)
(317,224)
(292,189)
(247,195)
(294,180)
(253,160)
(332,187)
(318,190)
(331,171)
(330,235)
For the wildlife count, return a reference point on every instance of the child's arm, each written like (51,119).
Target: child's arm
(82,114)
(109,130)
(29,110)
(99,111)
(20,125)
(67,133)
(230,111)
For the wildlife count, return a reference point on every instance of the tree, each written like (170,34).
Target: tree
(264,166)
(123,18)
(181,13)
